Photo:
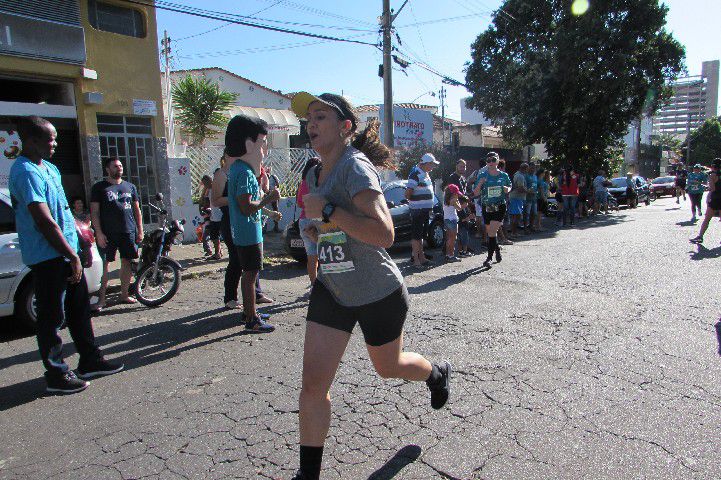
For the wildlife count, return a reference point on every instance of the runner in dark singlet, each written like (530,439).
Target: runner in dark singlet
(714,200)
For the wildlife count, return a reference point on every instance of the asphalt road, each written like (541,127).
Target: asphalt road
(587,353)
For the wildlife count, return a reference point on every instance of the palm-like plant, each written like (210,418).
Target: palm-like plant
(200,106)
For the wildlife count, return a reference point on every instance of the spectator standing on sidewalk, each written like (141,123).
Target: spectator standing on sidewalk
(518,198)
(464,229)
(49,246)
(600,192)
(358,282)
(451,205)
(530,207)
(542,201)
(118,225)
(419,192)
(568,182)
(503,231)
(458,178)
(305,224)
(273,184)
(246,146)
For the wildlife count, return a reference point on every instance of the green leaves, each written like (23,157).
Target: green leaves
(706,142)
(573,82)
(200,106)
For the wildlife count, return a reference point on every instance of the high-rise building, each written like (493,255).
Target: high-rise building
(695,99)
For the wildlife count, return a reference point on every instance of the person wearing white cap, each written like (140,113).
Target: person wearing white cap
(419,192)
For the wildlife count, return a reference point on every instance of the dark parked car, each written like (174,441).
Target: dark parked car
(394,193)
(619,191)
(663,186)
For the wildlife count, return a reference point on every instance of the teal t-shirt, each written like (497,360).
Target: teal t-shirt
(532,185)
(241,180)
(695,182)
(542,188)
(492,190)
(32,183)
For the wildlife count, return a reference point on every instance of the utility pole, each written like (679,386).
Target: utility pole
(638,144)
(169,130)
(387,75)
(443,116)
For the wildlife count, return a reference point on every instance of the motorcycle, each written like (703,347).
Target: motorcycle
(157,276)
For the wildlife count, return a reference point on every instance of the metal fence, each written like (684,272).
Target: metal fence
(287,165)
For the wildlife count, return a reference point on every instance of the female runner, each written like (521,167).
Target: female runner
(357,280)
(713,209)
(493,185)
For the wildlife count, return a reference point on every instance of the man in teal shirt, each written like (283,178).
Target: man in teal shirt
(49,246)
(245,147)
(530,208)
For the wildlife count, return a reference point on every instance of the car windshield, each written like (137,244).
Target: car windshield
(661,180)
(619,182)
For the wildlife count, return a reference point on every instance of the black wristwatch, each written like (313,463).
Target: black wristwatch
(327,211)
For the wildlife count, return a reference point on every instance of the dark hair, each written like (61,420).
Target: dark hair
(716,163)
(32,127)
(75,199)
(241,128)
(501,164)
(463,199)
(108,160)
(312,162)
(447,195)
(540,171)
(369,140)
(206,178)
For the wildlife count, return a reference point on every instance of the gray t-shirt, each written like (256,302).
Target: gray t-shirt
(355,272)
(598,184)
(519,186)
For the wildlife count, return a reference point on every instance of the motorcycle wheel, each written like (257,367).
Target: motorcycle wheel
(155,291)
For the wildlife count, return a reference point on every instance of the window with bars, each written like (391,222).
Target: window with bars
(130,139)
(116,19)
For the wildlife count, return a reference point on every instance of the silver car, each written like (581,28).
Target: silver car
(17,295)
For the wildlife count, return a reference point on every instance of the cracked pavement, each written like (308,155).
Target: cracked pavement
(587,353)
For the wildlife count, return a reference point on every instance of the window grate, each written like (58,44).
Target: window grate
(62,11)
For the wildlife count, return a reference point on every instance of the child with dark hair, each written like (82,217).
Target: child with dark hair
(464,226)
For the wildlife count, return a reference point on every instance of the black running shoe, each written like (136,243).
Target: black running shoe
(441,390)
(98,368)
(64,383)
(697,240)
(487,263)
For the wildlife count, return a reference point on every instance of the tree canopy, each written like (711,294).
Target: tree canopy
(573,82)
(200,106)
(706,142)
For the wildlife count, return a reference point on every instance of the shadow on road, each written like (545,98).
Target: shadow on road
(703,253)
(405,456)
(446,281)
(135,347)
(687,223)
(718,335)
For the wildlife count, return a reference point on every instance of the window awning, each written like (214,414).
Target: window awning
(278,120)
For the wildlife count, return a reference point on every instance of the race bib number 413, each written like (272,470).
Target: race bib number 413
(495,191)
(333,253)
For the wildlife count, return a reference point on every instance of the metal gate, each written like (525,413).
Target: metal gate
(131,140)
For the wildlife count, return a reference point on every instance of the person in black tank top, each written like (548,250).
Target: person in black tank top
(714,200)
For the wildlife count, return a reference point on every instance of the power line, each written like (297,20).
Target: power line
(446,20)
(226,24)
(317,11)
(201,14)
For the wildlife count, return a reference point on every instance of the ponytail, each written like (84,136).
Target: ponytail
(369,143)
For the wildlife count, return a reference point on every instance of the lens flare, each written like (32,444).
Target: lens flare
(579,7)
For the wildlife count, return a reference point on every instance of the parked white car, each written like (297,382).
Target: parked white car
(17,295)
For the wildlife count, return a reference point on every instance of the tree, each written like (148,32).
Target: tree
(573,82)
(706,142)
(409,157)
(200,106)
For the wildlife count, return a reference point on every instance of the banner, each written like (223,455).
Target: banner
(10,147)
(410,126)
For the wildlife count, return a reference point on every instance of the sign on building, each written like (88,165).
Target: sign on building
(410,126)
(145,107)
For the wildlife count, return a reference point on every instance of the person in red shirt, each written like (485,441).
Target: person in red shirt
(569,189)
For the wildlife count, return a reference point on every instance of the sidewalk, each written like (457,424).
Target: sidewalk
(190,257)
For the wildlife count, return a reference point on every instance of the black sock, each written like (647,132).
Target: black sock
(435,376)
(492,245)
(310,461)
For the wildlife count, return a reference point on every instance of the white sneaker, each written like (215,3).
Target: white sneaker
(233,305)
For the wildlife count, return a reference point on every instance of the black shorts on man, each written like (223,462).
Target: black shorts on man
(120,242)
(419,223)
(251,257)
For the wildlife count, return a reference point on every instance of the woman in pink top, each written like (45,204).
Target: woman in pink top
(311,248)
(569,189)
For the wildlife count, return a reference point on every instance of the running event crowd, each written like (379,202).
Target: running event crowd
(346,227)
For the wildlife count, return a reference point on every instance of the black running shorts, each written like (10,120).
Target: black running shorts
(496,216)
(251,257)
(381,322)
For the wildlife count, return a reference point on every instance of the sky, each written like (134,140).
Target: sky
(289,63)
